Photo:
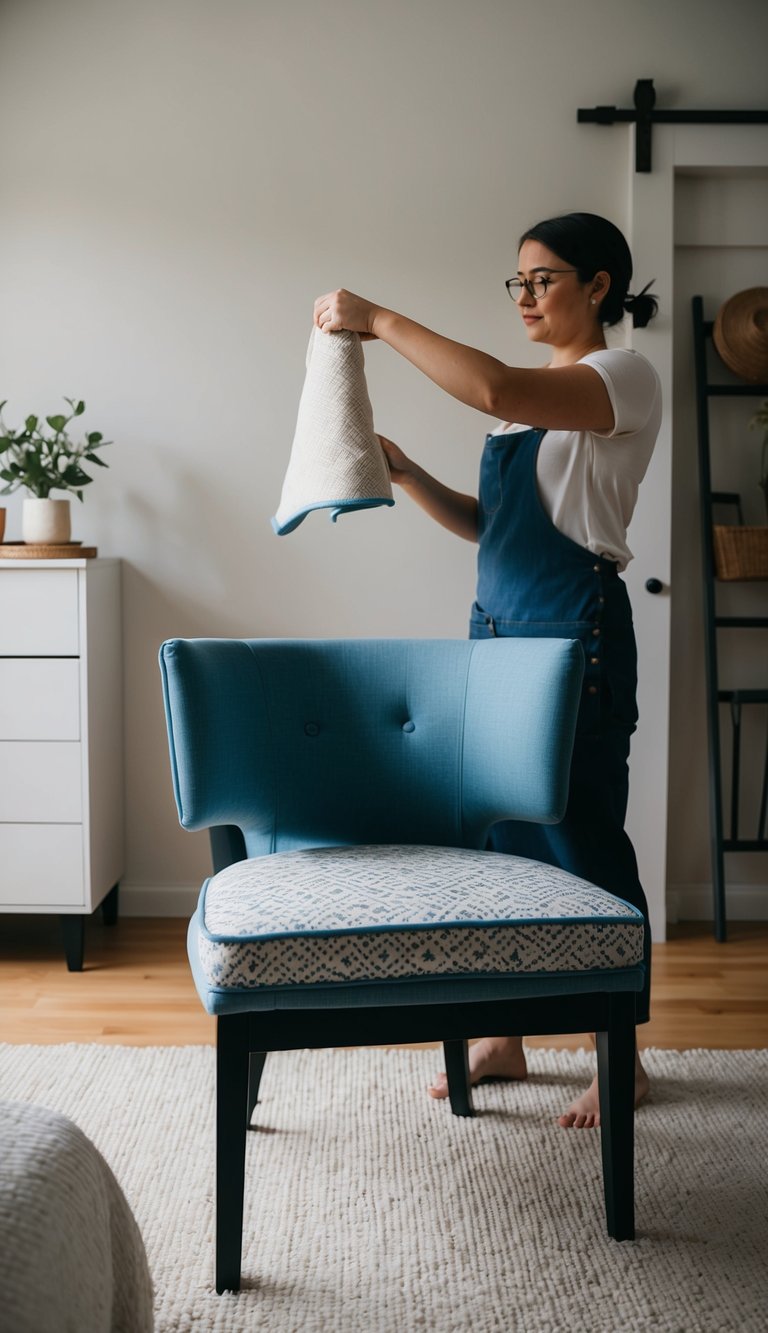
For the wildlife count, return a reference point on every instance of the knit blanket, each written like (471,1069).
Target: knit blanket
(72,1255)
(336,460)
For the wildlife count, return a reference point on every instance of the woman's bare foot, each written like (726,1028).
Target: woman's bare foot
(491,1057)
(584,1113)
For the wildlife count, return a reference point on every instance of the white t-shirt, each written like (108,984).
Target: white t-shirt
(587,482)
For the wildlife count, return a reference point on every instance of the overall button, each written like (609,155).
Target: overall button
(311,729)
(409,726)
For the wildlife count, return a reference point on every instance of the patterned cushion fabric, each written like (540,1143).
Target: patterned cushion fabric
(365,914)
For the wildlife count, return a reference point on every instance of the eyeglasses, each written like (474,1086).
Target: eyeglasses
(535,287)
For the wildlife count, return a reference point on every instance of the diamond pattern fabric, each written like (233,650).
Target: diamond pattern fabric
(336,460)
(354,914)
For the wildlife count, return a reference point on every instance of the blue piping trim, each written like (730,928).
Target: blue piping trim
(338,507)
(405,927)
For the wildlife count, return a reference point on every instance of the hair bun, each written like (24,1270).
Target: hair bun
(642,307)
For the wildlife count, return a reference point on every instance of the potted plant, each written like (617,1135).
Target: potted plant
(42,458)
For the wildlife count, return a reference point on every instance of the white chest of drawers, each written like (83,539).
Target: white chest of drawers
(61,739)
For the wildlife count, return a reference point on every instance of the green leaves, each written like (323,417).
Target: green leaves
(44,462)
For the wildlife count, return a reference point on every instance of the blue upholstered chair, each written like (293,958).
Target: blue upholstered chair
(349,787)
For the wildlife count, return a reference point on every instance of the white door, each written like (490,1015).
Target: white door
(676,149)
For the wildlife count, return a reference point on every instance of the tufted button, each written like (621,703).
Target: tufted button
(409,726)
(311,729)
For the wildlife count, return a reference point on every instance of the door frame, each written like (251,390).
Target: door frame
(651,233)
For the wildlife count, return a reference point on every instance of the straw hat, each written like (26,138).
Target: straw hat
(740,334)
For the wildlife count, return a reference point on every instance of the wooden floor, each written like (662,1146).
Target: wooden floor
(136,988)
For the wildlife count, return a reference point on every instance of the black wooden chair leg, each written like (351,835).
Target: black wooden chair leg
(73,930)
(231,1099)
(457,1072)
(616,1080)
(255,1070)
(109,906)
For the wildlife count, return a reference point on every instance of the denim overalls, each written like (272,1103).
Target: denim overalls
(535,581)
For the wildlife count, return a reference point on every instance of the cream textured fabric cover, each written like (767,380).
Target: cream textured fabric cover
(336,461)
(73,1260)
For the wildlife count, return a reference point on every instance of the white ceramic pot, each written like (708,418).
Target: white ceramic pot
(47,522)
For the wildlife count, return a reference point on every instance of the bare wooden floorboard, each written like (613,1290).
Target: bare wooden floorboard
(137,990)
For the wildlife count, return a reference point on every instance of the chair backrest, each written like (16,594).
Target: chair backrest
(307,743)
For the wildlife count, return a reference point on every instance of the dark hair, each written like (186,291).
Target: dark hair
(590,243)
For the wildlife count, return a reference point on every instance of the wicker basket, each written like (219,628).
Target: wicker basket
(740,553)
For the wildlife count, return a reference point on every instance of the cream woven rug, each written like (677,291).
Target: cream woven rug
(370,1207)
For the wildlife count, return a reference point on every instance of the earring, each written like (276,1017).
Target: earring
(592,301)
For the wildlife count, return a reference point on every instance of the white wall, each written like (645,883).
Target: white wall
(180,179)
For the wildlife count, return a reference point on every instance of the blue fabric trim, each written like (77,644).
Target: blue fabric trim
(407,927)
(338,507)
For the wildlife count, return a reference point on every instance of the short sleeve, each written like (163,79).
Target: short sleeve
(632,384)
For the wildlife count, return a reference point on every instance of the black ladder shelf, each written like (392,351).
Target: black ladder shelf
(738,699)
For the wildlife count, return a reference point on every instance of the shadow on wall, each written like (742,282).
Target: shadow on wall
(158,852)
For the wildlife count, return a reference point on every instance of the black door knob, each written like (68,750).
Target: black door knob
(654,585)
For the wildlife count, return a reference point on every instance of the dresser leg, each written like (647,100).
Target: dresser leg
(73,928)
(109,906)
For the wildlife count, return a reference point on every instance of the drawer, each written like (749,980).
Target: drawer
(39,699)
(40,782)
(41,865)
(38,613)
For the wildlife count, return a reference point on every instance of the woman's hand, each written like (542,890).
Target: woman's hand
(401,468)
(343,310)
(451,509)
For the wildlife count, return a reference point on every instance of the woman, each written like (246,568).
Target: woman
(558,484)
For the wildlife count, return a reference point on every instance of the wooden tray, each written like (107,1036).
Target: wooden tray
(39,551)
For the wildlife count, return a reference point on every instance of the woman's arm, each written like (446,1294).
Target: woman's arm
(451,509)
(566,398)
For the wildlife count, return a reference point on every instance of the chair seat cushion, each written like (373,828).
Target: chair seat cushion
(353,915)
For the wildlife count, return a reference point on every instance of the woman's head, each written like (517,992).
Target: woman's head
(598,252)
